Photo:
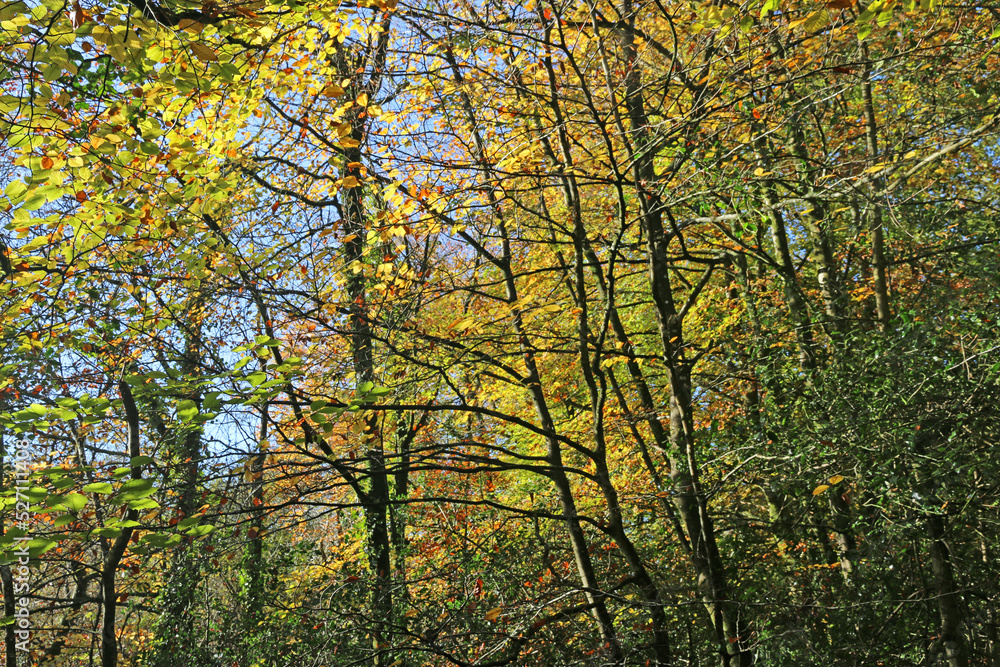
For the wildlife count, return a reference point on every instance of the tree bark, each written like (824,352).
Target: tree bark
(875,224)
(114,554)
(951,642)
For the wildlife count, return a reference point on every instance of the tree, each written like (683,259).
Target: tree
(625,333)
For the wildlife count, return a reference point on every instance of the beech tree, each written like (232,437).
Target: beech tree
(627,333)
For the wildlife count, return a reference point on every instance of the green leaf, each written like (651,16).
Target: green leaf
(15,190)
(137,488)
(74,502)
(106,532)
(99,487)
(154,539)
(186,410)
(267,341)
(39,546)
(211,401)
(144,504)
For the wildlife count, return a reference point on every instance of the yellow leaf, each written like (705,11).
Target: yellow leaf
(333,90)
(836,479)
(817,20)
(101,34)
(362,100)
(493,614)
(202,52)
(465,324)
(820,489)
(350,182)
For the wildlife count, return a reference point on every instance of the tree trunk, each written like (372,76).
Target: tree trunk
(951,642)
(114,554)
(875,228)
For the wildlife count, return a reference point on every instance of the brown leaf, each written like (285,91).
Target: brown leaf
(191,25)
(203,52)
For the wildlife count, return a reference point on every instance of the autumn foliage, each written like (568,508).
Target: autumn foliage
(541,333)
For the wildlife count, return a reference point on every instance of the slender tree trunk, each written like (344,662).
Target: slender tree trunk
(532,382)
(875,228)
(376,501)
(951,642)
(114,554)
(692,504)
(80,595)
(814,219)
(175,627)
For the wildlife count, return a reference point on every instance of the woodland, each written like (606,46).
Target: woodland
(471,333)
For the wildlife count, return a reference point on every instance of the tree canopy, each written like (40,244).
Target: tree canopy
(499,333)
